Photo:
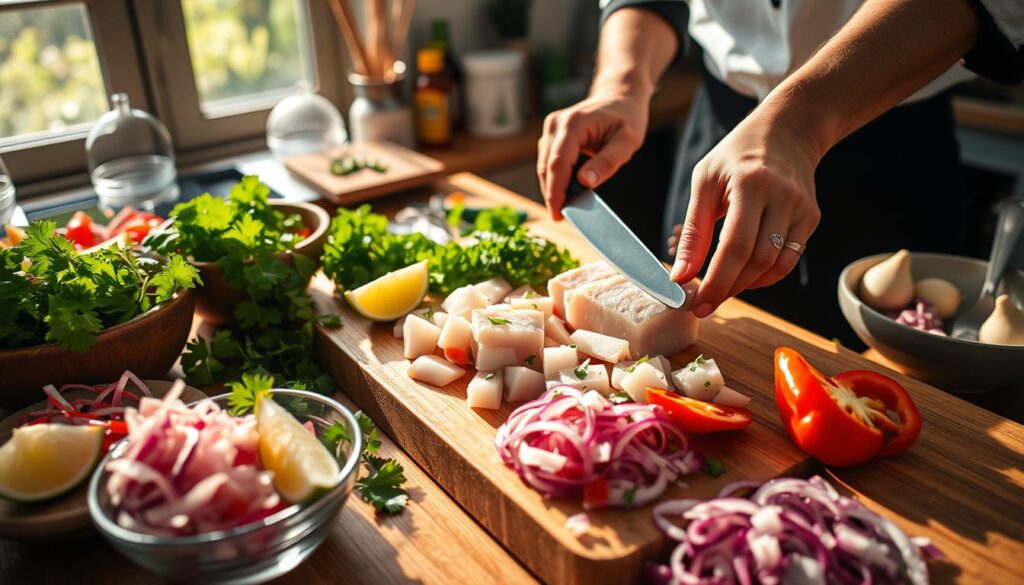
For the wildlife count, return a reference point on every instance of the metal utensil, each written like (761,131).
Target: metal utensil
(1009,226)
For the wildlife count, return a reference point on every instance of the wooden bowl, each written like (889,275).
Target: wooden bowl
(148,345)
(68,515)
(216,299)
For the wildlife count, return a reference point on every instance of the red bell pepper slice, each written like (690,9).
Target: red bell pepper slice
(842,421)
(697,416)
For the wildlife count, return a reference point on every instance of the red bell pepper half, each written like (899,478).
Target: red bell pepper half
(843,420)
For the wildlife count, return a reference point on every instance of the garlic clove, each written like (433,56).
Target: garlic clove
(942,294)
(888,285)
(1005,326)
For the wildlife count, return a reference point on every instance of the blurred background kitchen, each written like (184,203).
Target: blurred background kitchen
(147,102)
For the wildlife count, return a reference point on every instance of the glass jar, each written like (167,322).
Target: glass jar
(304,123)
(131,159)
(378,112)
(7,202)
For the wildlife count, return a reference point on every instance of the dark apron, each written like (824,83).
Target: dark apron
(895,183)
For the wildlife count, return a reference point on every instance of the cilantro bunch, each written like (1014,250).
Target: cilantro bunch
(49,292)
(359,249)
(248,239)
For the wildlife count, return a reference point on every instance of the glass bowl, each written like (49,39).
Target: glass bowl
(251,553)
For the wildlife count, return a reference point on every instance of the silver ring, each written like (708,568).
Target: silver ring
(777,241)
(798,248)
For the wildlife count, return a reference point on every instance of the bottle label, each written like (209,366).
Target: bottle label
(433,125)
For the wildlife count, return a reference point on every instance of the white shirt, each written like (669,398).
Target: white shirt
(752,46)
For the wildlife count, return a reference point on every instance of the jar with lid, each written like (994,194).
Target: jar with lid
(304,123)
(131,159)
(378,113)
(494,92)
(432,99)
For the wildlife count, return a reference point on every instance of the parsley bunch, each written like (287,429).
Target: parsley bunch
(359,249)
(51,293)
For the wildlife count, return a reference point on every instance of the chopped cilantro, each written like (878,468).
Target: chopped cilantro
(713,467)
(332,320)
(529,295)
(530,358)
(498,321)
(429,313)
(581,371)
(629,496)
(619,398)
(489,376)
(707,383)
(700,361)
(632,368)
(382,485)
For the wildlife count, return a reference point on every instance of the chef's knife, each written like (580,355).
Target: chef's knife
(619,246)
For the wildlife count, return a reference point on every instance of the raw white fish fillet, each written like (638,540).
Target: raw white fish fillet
(557,359)
(434,370)
(575,278)
(419,336)
(619,371)
(462,301)
(728,397)
(618,308)
(596,378)
(484,390)
(522,383)
(700,379)
(494,289)
(455,339)
(538,303)
(555,329)
(522,330)
(643,377)
(603,347)
(494,358)
(520,293)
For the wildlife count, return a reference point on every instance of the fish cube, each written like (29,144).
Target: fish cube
(520,293)
(493,358)
(548,342)
(621,369)
(462,301)
(519,329)
(455,339)
(600,346)
(618,308)
(419,336)
(700,379)
(434,370)
(536,303)
(399,329)
(555,329)
(484,390)
(557,359)
(728,397)
(494,289)
(643,377)
(575,278)
(522,383)
(595,378)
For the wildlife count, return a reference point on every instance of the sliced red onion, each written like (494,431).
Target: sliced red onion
(578,524)
(788,531)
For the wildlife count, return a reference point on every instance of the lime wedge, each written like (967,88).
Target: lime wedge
(392,295)
(44,461)
(303,468)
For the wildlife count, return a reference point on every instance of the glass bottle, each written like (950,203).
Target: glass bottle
(440,38)
(131,159)
(431,99)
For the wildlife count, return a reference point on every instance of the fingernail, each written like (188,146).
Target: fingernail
(680,268)
(703,310)
(589,177)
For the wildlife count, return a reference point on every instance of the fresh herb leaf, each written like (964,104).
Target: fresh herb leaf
(428,314)
(530,358)
(382,486)
(335,435)
(707,383)
(371,442)
(244,393)
(619,398)
(700,361)
(632,368)
(713,467)
(529,295)
(581,370)
(572,345)
(489,376)
(332,320)
(498,321)
(629,496)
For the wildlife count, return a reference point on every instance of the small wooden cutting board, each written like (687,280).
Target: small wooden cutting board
(406,169)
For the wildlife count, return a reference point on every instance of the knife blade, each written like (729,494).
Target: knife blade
(619,246)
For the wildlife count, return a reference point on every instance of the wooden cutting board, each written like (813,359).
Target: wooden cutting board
(406,169)
(455,444)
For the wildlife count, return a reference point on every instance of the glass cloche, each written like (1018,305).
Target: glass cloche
(304,123)
(131,159)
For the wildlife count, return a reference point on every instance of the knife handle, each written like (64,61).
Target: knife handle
(575,187)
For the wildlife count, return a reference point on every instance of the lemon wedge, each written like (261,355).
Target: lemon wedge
(44,461)
(392,295)
(303,468)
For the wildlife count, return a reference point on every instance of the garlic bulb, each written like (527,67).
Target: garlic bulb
(888,286)
(942,294)
(1005,326)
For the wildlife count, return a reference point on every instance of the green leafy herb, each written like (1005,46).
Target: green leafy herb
(342,167)
(332,320)
(707,383)
(244,392)
(498,321)
(581,371)
(428,314)
(632,368)
(382,486)
(713,467)
(51,293)
(700,361)
(619,397)
(629,496)
(530,358)
(489,376)
(529,295)
(371,442)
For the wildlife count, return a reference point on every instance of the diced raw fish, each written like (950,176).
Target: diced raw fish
(494,358)
(643,377)
(463,300)
(548,342)
(420,336)
(494,289)
(621,369)
(432,314)
(439,318)
(522,383)
(399,329)
(728,397)
(434,370)
(555,329)
(619,308)
(600,346)
(596,378)
(538,303)
(455,339)
(520,329)
(557,359)
(575,278)
(520,292)
(484,390)
(700,379)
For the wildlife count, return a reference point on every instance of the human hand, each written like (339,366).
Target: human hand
(760,178)
(609,126)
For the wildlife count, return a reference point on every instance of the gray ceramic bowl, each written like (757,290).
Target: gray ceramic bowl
(967,367)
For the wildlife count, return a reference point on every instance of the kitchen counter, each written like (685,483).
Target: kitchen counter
(961,485)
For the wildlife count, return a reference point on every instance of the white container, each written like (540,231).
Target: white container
(494,92)
(378,114)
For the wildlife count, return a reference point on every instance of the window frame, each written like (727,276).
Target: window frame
(57,156)
(169,65)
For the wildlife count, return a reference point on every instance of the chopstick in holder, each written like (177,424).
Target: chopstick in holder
(401,31)
(346,22)
(373,35)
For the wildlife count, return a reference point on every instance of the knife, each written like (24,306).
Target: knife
(619,246)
